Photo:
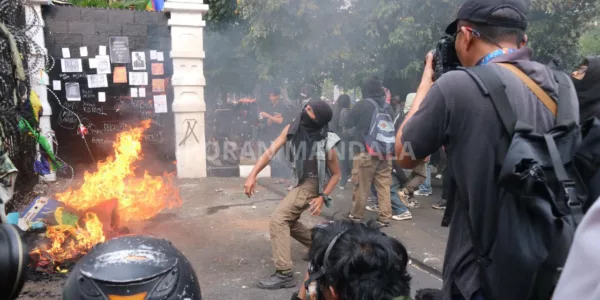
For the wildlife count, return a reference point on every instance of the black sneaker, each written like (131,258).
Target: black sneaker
(441,205)
(382,224)
(279,280)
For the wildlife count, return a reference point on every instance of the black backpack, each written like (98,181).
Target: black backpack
(543,195)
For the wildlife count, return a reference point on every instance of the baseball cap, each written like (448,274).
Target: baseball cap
(480,12)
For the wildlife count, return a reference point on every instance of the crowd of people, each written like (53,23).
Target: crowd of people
(512,205)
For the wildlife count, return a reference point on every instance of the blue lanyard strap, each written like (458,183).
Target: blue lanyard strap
(486,59)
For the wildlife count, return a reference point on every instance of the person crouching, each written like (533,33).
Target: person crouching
(316,172)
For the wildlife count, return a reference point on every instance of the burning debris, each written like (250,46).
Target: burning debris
(108,199)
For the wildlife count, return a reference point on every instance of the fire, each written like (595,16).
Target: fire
(69,242)
(138,198)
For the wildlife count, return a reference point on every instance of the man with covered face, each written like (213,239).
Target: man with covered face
(316,172)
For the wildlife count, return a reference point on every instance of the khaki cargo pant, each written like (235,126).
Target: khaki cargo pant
(418,176)
(284,222)
(369,170)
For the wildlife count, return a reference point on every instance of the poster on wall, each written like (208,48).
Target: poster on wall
(157,69)
(71,65)
(119,49)
(138,78)
(72,91)
(103,64)
(139,60)
(97,81)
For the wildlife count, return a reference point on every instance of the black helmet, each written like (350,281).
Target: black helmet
(131,266)
(13,259)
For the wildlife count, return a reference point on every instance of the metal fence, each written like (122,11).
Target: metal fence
(15,92)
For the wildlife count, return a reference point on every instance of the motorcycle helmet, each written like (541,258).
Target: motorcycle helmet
(13,259)
(133,268)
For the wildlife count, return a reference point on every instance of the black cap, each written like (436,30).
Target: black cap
(480,11)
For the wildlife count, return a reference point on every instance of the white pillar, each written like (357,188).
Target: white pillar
(38,78)
(187,53)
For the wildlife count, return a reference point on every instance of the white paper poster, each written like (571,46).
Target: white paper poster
(73,92)
(134,92)
(83,51)
(102,50)
(66,53)
(152,54)
(56,85)
(138,60)
(71,65)
(142,92)
(97,81)
(160,56)
(138,78)
(93,63)
(101,97)
(160,103)
(103,64)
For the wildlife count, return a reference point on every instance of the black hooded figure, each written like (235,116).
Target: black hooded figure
(587,84)
(316,173)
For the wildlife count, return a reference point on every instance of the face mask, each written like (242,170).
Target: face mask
(306,119)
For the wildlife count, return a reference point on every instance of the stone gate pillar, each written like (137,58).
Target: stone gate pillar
(38,79)
(187,53)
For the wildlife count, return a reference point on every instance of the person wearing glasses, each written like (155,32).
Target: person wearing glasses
(316,172)
(586,79)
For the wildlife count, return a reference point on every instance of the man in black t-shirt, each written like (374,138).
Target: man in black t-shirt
(274,116)
(454,113)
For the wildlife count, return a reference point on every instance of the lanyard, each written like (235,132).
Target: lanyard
(486,59)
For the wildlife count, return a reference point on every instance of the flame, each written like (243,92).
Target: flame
(138,198)
(69,242)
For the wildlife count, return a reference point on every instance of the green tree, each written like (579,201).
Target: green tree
(589,42)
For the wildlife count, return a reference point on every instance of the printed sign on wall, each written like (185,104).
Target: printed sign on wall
(119,49)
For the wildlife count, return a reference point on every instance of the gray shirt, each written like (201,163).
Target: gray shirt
(457,115)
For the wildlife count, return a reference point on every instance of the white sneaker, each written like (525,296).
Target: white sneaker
(438,176)
(373,208)
(404,216)
(424,194)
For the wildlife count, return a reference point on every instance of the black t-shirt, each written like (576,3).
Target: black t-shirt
(360,118)
(457,115)
(271,132)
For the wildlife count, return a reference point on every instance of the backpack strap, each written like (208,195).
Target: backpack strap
(534,87)
(377,107)
(492,86)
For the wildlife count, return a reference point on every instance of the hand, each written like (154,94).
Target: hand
(249,186)
(316,205)
(428,70)
(264,114)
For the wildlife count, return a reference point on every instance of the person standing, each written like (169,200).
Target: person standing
(340,115)
(587,84)
(274,117)
(368,169)
(455,112)
(316,173)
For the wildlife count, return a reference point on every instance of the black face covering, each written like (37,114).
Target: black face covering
(306,130)
(588,90)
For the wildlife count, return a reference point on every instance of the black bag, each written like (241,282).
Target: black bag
(541,199)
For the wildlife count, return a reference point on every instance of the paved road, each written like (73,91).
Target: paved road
(423,236)
(225,236)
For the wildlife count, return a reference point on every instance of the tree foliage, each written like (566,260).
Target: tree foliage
(295,41)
